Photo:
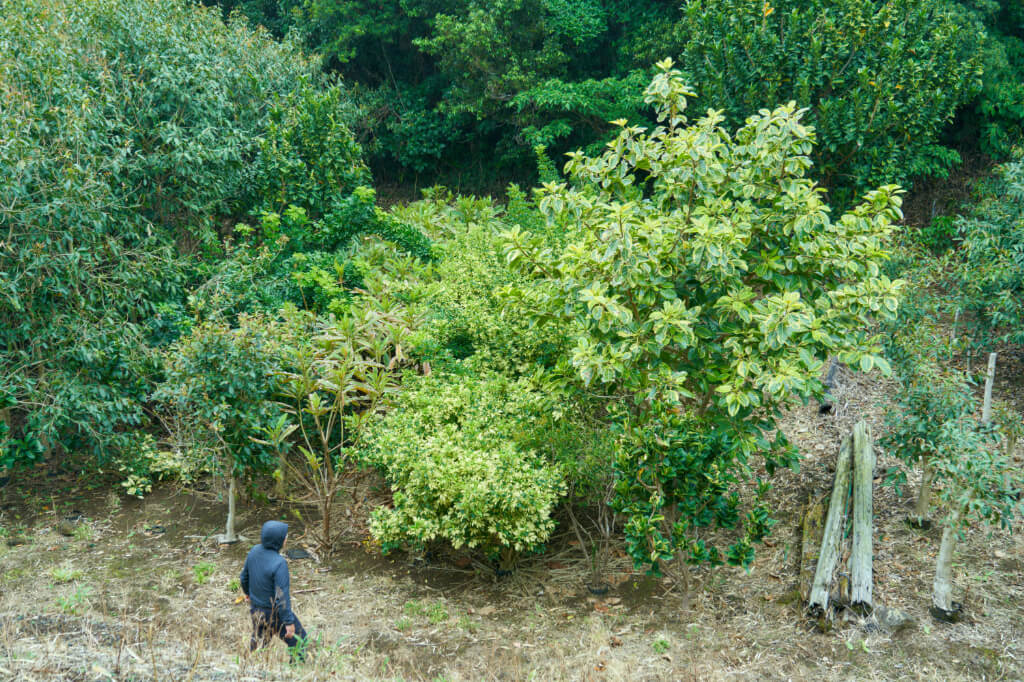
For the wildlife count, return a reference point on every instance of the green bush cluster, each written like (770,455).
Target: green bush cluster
(460,455)
(219,390)
(195,273)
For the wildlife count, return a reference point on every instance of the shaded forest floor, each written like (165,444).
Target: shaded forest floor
(137,591)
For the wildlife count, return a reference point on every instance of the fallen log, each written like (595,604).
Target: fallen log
(834,521)
(861,553)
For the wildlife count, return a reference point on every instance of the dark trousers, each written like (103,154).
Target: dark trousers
(266,624)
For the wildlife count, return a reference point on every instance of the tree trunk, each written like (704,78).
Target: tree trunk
(942,588)
(924,495)
(829,554)
(990,377)
(229,528)
(952,333)
(861,554)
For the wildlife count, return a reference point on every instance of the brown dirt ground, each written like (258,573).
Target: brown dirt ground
(117,602)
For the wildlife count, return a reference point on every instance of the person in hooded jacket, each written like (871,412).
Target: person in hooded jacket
(265,583)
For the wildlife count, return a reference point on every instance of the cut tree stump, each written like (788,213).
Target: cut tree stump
(861,554)
(829,554)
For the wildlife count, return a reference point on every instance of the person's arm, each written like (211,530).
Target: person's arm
(243,579)
(282,598)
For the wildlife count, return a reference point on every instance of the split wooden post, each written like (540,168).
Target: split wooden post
(861,554)
(829,554)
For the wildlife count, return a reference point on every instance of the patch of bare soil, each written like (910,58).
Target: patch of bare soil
(138,591)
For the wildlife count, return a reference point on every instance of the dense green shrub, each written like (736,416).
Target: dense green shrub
(308,157)
(219,391)
(704,283)
(339,372)
(460,454)
(465,317)
(996,116)
(926,401)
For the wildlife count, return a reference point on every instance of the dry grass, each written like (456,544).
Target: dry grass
(121,602)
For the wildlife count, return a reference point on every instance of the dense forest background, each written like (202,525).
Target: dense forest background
(466,91)
(196,276)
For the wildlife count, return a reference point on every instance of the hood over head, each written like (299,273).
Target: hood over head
(273,534)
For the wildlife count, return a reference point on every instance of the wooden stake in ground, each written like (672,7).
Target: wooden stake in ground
(862,553)
(829,554)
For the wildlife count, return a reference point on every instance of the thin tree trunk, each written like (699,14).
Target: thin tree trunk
(952,332)
(990,377)
(861,554)
(829,554)
(924,495)
(327,544)
(229,528)
(942,588)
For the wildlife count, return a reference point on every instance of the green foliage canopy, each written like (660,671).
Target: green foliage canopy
(880,80)
(706,284)
(449,86)
(130,135)
(218,392)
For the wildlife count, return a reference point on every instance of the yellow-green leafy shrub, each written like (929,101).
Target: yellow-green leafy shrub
(455,451)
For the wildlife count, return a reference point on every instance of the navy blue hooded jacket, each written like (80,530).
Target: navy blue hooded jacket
(265,574)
